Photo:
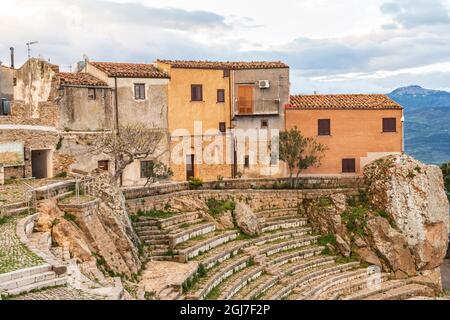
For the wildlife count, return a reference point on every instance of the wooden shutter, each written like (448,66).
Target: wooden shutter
(222,127)
(324,127)
(348,165)
(139,91)
(245,99)
(389,125)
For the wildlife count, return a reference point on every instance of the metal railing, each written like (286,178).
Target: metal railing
(83,186)
(30,198)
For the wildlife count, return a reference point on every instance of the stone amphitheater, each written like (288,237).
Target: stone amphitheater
(230,240)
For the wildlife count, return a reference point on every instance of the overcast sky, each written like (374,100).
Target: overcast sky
(332,46)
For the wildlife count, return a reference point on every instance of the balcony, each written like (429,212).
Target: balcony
(257,107)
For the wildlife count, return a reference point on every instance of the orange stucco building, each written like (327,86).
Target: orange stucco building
(357,129)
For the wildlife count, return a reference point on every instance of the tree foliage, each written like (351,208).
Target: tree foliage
(300,152)
(132,142)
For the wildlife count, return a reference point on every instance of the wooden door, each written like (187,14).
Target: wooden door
(190,166)
(245,99)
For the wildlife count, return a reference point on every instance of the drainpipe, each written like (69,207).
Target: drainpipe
(116,107)
(403,131)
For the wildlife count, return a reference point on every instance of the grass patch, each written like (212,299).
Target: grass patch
(213,294)
(159,214)
(4,220)
(217,207)
(355,219)
(326,239)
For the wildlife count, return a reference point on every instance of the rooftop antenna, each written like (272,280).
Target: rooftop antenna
(29,47)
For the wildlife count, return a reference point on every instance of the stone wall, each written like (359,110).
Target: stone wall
(258,200)
(304,183)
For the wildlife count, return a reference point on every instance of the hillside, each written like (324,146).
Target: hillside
(427,130)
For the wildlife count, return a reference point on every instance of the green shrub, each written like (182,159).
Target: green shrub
(326,239)
(217,207)
(355,219)
(62,174)
(195,182)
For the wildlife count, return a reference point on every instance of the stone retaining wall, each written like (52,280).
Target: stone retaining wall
(332,182)
(257,199)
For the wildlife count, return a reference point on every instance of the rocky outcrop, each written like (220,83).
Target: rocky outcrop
(413,196)
(97,231)
(400,222)
(246,219)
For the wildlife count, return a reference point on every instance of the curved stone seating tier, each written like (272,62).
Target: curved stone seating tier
(281,235)
(276,274)
(283,224)
(189,233)
(340,290)
(229,268)
(290,283)
(392,289)
(272,213)
(404,292)
(316,288)
(194,250)
(272,249)
(239,281)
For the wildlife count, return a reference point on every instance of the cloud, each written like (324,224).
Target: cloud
(414,13)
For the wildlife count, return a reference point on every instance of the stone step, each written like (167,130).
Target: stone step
(383,287)
(276,212)
(348,288)
(272,249)
(23,273)
(194,231)
(287,285)
(275,274)
(39,285)
(201,247)
(152,232)
(316,288)
(157,242)
(175,228)
(284,224)
(298,232)
(154,237)
(404,292)
(179,219)
(25,281)
(146,225)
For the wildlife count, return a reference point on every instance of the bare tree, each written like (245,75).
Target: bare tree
(132,142)
(299,152)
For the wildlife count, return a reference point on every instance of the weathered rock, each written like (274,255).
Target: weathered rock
(413,195)
(246,219)
(391,246)
(67,235)
(48,212)
(343,247)
(225,221)
(365,254)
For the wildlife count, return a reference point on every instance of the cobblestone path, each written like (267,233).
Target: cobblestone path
(13,254)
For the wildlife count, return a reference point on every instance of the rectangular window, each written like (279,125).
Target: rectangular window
(147,168)
(324,127)
(220,95)
(226,73)
(103,165)
(139,91)
(389,125)
(196,92)
(91,94)
(222,127)
(5,107)
(348,165)
(264,124)
(246,162)
(273,158)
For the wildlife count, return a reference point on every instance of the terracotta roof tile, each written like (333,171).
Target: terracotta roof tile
(80,79)
(343,101)
(130,70)
(237,65)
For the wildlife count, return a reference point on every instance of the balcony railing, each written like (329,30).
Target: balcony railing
(255,107)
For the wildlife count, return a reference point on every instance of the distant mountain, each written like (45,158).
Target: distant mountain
(427,122)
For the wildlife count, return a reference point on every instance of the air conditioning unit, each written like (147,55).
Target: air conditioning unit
(264,84)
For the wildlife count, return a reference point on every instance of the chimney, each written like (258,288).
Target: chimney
(12,57)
